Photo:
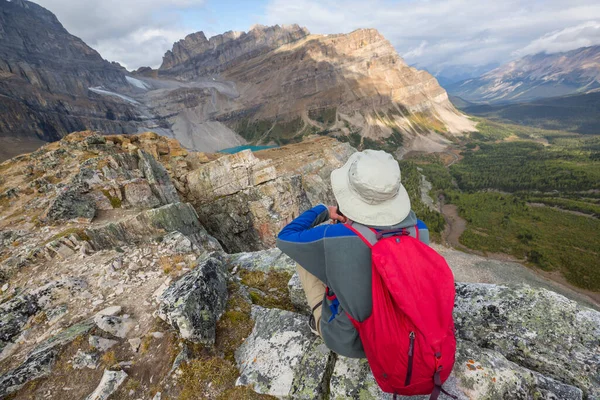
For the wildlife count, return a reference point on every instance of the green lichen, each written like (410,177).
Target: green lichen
(115,202)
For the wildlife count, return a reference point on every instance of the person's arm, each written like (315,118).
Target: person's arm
(302,240)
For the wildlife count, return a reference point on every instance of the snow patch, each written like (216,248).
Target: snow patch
(99,90)
(137,83)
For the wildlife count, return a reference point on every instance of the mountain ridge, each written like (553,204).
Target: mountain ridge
(535,76)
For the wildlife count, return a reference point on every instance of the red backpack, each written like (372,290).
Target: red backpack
(409,337)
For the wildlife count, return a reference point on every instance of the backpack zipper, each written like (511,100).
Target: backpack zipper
(411,347)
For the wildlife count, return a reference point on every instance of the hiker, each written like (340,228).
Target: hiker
(336,267)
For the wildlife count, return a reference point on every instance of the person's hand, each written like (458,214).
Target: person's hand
(335,217)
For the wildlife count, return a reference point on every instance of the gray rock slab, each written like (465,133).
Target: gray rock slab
(116,326)
(281,357)
(110,382)
(265,260)
(40,361)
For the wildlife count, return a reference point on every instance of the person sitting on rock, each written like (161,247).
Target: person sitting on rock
(334,262)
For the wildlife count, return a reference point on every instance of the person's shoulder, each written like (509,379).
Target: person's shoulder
(421,224)
(338,230)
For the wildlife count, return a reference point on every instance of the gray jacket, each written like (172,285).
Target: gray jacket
(339,258)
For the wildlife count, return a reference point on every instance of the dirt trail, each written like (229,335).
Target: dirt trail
(455,226)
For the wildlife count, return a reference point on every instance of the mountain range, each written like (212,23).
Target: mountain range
(273,85)
(534,77)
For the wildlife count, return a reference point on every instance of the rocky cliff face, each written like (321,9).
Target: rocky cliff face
(196,56)
(45,76)
(291,84)
(534,77)
(110,285)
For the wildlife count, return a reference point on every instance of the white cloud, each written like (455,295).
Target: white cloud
(133,32)
(574,37)
(441,33)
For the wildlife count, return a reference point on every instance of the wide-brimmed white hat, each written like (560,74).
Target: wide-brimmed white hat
(368,189)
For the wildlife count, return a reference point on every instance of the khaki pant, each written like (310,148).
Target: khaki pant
(314,290)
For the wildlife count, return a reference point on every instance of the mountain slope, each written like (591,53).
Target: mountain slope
(291,84)
(535,76)
(45,73)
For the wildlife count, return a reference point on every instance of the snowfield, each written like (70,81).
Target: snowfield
(99,90)
(138,83)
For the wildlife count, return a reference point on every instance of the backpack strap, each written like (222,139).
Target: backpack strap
(368,235)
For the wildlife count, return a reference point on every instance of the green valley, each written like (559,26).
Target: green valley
(527,192)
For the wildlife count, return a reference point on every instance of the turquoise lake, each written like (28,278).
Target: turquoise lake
(237,149)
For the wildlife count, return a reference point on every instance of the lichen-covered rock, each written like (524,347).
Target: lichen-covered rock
(83,360)
(70,204)
(195,302)
(153,224)
(281,357)
(297,295)
(265,260)
(110,382)
(538,329)
(40,361)
(478,373)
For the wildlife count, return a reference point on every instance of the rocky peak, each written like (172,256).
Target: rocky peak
(195,55)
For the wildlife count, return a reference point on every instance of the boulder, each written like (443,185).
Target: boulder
(194,303)
(110,382)
(71,204)
(282,358)
(83,360)
(116,326)
(101,343)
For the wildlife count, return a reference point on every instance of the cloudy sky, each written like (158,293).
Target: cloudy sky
(438,35)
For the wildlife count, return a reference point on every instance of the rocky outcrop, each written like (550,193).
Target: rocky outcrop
(150,225)
(45,74)
(537,329)
(505,350)
(194,303)
(245,199)
(79,296)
